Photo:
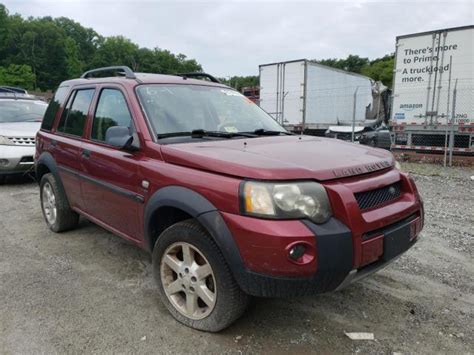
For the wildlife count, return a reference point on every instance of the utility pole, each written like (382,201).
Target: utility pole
(453,116)
(354,114)
(447,112)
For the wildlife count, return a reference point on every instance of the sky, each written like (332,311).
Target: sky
(233,37)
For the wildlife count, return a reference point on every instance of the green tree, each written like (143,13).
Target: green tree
(163,61)
(353,63)
(87,40)
(116,50)
(60,49)
(74,65)
(38,43)
(3,30)
(17,75)
(381,69)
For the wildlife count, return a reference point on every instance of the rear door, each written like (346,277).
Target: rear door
(111,185)
(66,145)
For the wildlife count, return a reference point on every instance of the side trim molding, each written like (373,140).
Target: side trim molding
(118,190)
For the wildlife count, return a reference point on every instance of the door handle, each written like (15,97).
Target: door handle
(54,142)
(86,153)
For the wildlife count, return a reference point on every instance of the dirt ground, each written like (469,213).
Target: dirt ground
(89,291)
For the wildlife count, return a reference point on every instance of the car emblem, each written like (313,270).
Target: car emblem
(392,191)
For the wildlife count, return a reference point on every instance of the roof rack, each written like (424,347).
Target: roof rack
(199,75)
(122,69)
(12,89)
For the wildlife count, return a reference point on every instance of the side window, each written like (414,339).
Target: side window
(111,111)
(53,107)
(74,116)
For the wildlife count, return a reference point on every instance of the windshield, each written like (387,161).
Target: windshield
(186,108)
(21,110)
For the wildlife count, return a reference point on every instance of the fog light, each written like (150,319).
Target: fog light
(4,162)
(297,252)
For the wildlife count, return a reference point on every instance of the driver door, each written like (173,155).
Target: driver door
(110,185)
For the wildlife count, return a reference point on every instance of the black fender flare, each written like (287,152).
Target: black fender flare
(200,208)
(47,160)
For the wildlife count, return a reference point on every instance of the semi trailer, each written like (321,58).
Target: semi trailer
(433,91)
(306,96)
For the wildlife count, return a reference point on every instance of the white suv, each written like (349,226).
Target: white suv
(20,120)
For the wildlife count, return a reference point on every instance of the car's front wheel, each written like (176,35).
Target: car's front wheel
(194,281)
(56,211)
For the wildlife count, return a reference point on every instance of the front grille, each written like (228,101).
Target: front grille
(377,197)
(22,140)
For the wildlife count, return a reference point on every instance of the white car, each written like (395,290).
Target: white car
(20,120)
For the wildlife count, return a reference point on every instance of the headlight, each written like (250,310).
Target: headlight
(286,200)
(5,141)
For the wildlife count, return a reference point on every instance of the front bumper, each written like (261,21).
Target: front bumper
(16,159)
(333,269)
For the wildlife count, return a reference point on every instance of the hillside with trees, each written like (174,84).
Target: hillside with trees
(39,53)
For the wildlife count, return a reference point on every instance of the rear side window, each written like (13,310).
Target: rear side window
(56,102)
(111,111)
(74,116)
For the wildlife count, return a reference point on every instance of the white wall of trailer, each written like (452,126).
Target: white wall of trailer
(293,90)
(281,91)
(424,64)
(326,98)
(330,95)
(268,89)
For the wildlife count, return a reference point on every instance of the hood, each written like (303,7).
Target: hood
(19,129)
(280,158)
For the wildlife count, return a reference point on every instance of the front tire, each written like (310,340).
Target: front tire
(194,281)
(56,211)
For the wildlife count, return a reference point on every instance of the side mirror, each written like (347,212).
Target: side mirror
(120,137)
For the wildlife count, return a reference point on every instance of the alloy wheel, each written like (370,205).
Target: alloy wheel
(49,203)
(188,280)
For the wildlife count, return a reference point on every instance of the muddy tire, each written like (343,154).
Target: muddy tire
(194,281)
(56,211)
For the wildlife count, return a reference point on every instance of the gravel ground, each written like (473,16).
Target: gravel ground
(89,291)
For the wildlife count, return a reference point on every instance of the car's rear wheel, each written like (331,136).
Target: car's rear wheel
(194,281)
(56,211)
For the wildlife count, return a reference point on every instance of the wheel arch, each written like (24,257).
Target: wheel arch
(173,204)
(46,164)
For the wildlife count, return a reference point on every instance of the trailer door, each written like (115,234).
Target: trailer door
(282,91)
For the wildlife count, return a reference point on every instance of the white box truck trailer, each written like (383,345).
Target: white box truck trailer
(304,95)
(434,87)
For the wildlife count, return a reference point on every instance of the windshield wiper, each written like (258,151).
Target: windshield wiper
(172,134)
(264,132)
(200,133)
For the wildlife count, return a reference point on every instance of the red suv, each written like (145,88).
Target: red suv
(228,203)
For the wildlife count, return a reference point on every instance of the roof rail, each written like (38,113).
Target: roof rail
(129,74)
(199,75)
(12,89)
